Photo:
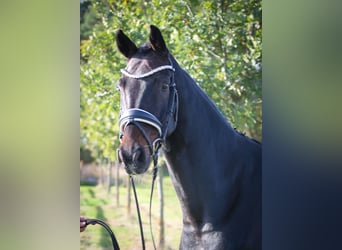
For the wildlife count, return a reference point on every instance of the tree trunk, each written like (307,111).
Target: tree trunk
(128,208)
(110,167)
(101,173)
(117,182)
(161,208)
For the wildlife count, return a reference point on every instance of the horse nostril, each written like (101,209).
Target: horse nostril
(123,157)
(119,155)
(136,155)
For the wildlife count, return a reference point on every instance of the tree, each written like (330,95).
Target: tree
(217,42)
(161,207)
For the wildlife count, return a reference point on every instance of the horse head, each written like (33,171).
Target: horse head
(148,100)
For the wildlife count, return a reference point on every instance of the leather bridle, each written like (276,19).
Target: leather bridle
(135,116)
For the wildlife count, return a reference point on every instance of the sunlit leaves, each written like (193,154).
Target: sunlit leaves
(217,42)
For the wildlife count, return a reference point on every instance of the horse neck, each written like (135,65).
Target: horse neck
(198,117)
(200,134)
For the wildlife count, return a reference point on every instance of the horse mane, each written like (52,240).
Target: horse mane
(145,48)
(244,135)
(214,107)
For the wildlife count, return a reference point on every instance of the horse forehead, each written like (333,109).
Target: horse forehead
(140,65)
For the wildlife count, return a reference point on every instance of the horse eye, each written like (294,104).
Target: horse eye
(118,85)
(118,88)
(165,87)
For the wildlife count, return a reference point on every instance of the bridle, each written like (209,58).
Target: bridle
(136,116)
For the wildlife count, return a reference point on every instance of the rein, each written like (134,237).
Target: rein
(102,223)
(135,116)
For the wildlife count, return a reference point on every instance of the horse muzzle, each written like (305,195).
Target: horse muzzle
(139,134)
(136,158)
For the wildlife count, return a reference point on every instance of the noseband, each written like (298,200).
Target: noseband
(137,116)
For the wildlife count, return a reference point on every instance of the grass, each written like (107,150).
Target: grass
(96,202)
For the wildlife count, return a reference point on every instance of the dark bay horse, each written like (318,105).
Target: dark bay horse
(215,170)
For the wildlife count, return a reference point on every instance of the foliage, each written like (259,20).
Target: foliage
(88,20)
(217,42)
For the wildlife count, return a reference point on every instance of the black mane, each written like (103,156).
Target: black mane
(145,48)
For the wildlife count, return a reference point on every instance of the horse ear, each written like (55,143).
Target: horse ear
(157,40)
(125,45)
